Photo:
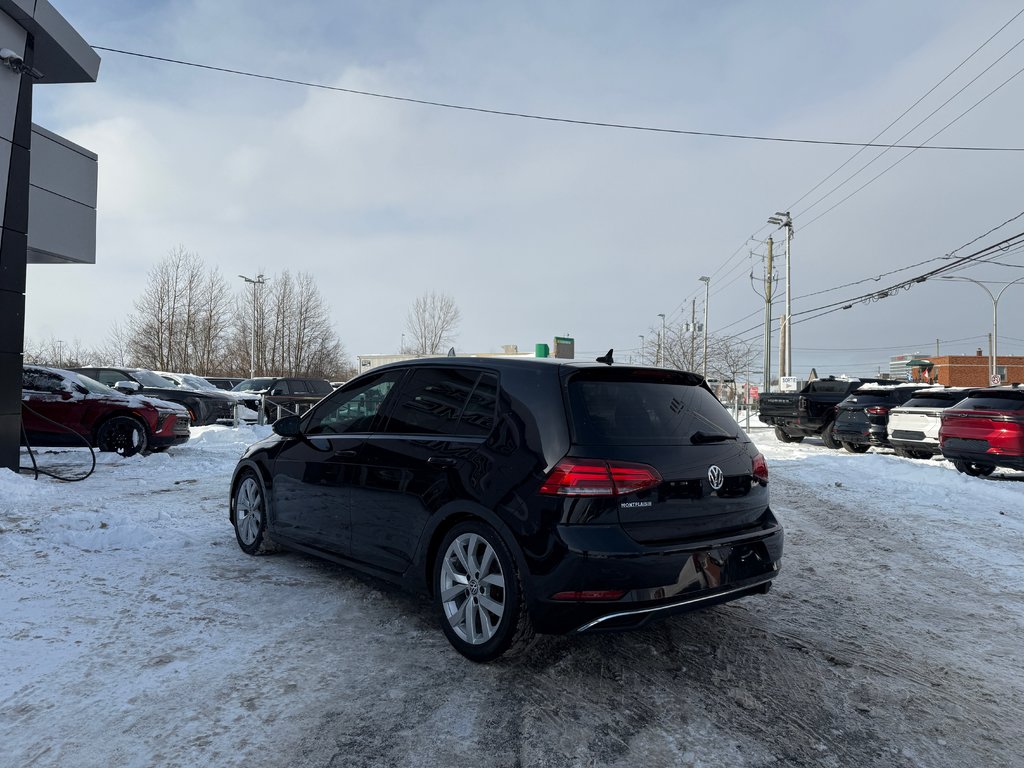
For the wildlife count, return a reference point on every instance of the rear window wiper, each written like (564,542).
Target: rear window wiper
(699,437)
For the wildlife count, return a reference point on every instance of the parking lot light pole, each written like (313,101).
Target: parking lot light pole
(993,357)
(254,281)
(643,350)
(707,295)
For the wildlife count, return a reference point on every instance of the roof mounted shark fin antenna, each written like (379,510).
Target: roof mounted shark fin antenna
(606,358)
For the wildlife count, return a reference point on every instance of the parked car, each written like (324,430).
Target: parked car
(283,396)
(523,496)
(914,426)
(66,409)
(985,431)
(224,382)
(809,412)
(203,408)
(862,418)
(248,411)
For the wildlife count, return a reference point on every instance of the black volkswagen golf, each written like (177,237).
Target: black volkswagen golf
(521,495)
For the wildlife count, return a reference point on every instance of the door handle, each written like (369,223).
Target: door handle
(440,461)
(344,454)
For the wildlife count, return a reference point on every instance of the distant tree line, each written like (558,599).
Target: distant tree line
(188,320)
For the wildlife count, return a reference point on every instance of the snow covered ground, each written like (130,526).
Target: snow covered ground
(134,632)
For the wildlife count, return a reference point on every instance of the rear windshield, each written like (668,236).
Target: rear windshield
(869,398)
(1011,401)
(319,387)
(644,408)
(934,400)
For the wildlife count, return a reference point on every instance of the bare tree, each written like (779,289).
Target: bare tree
(294,332)
(57,353)
(181,321)
(431,323)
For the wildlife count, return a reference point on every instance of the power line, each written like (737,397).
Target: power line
(931,90)
(551,119)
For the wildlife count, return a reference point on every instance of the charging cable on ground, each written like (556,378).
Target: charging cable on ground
(35,467)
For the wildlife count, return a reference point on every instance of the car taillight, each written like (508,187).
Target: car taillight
(761,469)
(877,410)
(587,477)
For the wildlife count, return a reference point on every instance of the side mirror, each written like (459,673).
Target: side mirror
(65,395)
(287,427)
(128,387)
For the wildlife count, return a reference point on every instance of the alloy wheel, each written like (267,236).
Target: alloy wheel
(472,588)
(248,511)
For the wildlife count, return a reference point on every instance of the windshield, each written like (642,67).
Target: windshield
(150,379)
(94,387)
(934,400)
(196,382)
(253,385)
(993,402)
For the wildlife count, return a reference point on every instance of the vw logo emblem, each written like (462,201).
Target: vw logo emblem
(716,477)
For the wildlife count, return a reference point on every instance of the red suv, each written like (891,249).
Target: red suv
(66,409)
(985,430)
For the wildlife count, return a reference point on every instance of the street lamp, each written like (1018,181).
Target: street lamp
(707,295)
(783,219)
(643,351)
(995,315)
(254,281)
(661,339)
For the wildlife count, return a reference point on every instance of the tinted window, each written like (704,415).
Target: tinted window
(433,400)
(109,377)
(35,380)
(824,385)
(295,386)
(149,379)
(478,415)
(352,409)
(635,411)
(993,402)
(935,400)
(319,387)
(253,385)
(864,399)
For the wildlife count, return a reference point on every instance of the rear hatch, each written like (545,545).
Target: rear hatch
(988,421)
(918,419)
(708,479)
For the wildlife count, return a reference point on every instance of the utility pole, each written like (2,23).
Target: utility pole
(768,321)
(936,347)
(783,219)
(707,295)
(643,351)
(255,282)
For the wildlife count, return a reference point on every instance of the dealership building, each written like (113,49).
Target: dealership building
(47,183)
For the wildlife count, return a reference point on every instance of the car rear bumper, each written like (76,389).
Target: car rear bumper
(1008,461)
(658,581)
(931,446)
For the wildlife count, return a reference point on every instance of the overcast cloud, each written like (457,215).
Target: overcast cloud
(536,228)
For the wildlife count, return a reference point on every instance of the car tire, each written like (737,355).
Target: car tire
(478,594)
(856,447)
(828,439)
(123,435)
(972,469)
(249,515)
(785,437)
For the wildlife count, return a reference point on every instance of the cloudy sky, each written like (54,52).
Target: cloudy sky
(540,228)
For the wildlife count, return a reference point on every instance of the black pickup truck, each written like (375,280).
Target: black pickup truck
(811,411)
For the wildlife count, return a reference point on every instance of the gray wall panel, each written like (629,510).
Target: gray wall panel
(62,167)
(59,229)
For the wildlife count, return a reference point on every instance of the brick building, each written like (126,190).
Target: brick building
(969,370)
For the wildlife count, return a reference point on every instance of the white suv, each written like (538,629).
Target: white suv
(914,426)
